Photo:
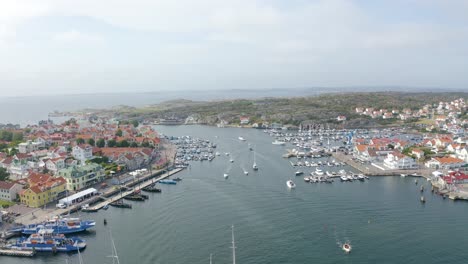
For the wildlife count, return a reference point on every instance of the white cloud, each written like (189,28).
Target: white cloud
(76,37)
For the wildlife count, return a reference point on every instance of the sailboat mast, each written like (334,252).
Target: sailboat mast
(233,246)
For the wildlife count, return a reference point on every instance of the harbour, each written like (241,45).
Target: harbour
(382,218)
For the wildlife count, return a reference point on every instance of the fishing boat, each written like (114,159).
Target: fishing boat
(121,204)
(347,247)
(279,143)
(60,226)
(48,241)
(290,184)
(166,181)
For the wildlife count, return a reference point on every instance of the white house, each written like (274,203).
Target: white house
(341,118)
(82,152)
(461,153)
(445,163)
(244,120)
(396,160)
(9,190)
(30,146)
(418,153)
(55,165)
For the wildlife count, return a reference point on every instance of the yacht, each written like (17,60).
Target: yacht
(318,172)
(290,184)
(279,143)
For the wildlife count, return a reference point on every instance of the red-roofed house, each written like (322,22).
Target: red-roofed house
(445,163)
(43,189)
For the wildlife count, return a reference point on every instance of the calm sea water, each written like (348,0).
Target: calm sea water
(382,218)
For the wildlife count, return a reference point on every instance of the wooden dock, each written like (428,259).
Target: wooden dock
(17,253)
(142,183)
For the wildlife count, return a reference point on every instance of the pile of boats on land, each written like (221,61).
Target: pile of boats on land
(49,236)
(189,149)
(318,176)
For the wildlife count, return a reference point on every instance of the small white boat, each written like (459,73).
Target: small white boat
(217,153)
(231,160)
(347,247)
(226,175)
(402,175)
(290,184)
(227,153)
(254,166)
(307,179)
(242,139)
(279,143)
(246,172)
(319,172)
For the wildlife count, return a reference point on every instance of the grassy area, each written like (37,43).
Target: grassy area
(425,122)
(6,204)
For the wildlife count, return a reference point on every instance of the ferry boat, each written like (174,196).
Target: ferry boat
(47,240)
(60,226)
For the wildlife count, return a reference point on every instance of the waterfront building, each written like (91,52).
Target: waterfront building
(42,189)
(79,177)
(396,160)
(9,190)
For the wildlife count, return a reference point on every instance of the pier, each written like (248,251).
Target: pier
(142,183)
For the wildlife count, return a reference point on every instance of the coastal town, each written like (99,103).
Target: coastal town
(93,160)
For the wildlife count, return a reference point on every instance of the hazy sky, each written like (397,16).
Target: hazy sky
(83,46)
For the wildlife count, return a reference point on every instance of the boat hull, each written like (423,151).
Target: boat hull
(85,225)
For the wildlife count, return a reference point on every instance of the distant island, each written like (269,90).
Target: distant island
(422,110)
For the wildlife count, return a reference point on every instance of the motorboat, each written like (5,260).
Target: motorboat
(402,175)
(231,160)
(246,172)
(307,179)
(242,139)
(361,177)
(299,173)
(254,166)
(167,181)
(279,143)
(226,175)
(290,184)
(347,247)
(318,172)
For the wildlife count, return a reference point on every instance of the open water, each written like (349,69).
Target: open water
(382,218)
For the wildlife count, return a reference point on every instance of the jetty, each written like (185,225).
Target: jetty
(142,183)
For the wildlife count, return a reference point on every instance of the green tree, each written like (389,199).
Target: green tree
(119,132)
(101,143)
(17,136)
(4,174)
(91,141)
(123,144)
(135,123)
(134,145)
(80,141)
(145,144)
(6,135)
(111,143)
